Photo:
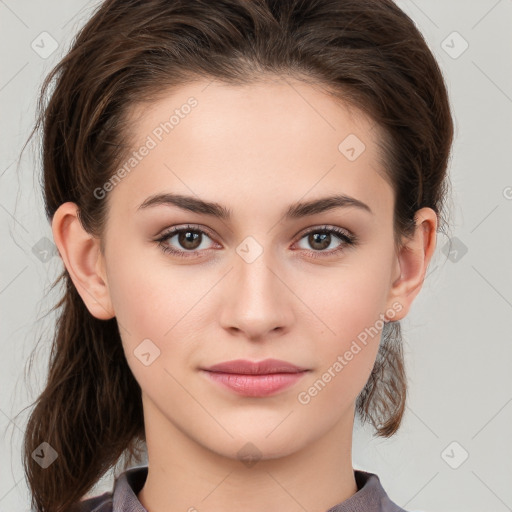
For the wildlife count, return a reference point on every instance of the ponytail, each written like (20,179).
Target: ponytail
(89,413)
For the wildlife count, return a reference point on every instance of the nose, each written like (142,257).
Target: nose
(258,301)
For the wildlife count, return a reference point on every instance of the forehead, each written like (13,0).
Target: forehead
(271,141)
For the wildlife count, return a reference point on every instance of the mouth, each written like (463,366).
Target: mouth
(255,379)
(265,367)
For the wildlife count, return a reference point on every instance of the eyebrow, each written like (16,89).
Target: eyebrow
(294,211)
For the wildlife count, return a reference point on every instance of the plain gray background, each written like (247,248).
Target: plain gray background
(454,449)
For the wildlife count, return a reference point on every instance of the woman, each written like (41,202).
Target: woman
(245,196)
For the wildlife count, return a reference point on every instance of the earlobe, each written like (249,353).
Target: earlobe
(80,253)
(413,261)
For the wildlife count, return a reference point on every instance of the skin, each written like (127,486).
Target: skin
(255,149)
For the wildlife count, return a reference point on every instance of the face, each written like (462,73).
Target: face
(310,288)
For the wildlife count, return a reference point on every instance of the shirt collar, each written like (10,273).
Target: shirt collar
(370,497)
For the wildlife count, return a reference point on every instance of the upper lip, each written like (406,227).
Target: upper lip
(267,366)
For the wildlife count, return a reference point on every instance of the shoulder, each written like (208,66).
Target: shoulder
(375,493)
(122,497)
(370,496)
(101,503)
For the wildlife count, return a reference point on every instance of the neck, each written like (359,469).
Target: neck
(184,475)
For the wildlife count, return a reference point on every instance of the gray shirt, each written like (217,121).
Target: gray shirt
(370,496)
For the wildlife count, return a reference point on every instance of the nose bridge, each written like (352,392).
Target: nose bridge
(256,300)
(253,269)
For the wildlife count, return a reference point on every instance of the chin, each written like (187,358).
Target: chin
(250,447)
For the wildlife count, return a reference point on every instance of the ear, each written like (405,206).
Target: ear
(81,254)
(412,261)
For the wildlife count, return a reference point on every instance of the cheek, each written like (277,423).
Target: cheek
(343,302)
(151,297)
(148,311)
(157,303)
(346,326)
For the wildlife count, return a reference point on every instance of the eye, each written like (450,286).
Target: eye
(189,240)
(321,238)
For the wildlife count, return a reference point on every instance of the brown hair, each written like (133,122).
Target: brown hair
(367,52)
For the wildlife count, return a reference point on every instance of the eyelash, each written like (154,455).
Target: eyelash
(347,238)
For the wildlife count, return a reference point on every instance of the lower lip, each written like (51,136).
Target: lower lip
(256,385)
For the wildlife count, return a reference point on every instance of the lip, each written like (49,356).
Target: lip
(265,367)
(255,379)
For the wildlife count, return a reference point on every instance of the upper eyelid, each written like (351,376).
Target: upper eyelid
(176,229)
(172,231)
(326,227)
